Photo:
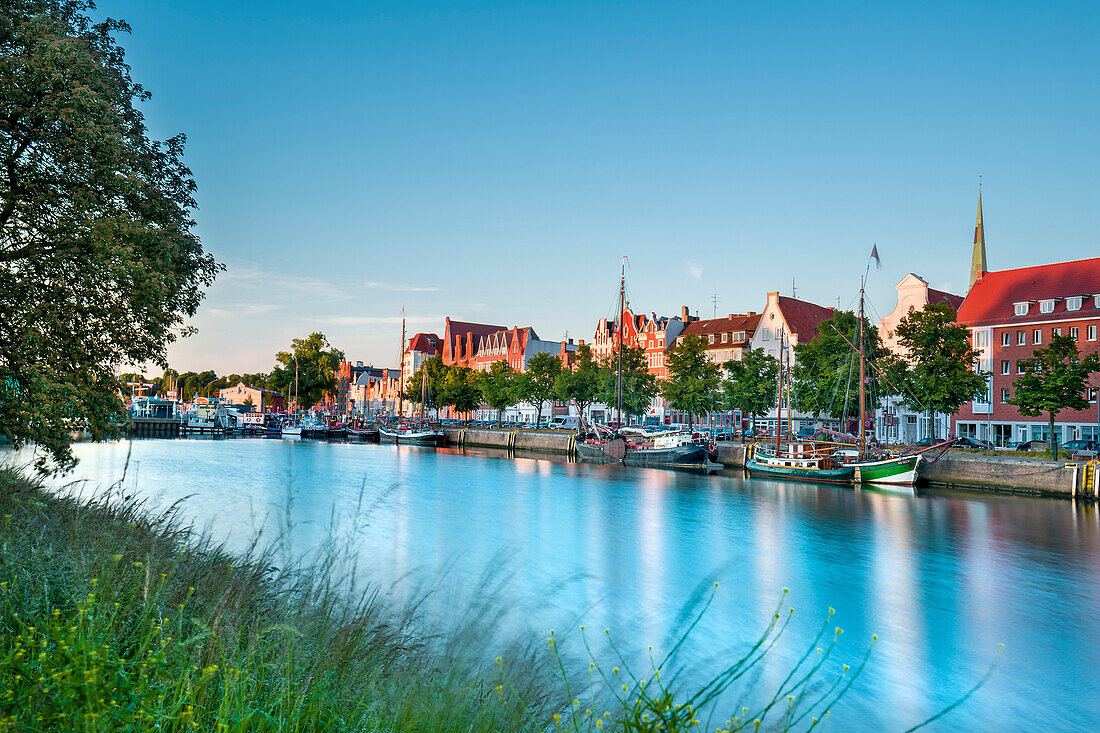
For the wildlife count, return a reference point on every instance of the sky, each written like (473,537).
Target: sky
(494,161)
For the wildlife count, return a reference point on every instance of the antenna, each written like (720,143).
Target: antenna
(714,298)
(794,290)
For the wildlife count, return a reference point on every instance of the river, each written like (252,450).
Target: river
(941,577)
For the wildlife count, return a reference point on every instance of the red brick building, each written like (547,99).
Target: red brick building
(1010,314)
(461,339)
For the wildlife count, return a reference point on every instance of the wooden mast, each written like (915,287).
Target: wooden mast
(862,379)
(779,405)
(622,325)
(400,365)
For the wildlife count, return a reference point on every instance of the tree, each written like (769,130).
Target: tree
(536,384)
(693,379)
(1054,379)
(751,384)
(316,363)
(437,378)
(462,389)
(825,377)
(498,387)
(581,384)
(938,373)
(639,386)
(99,263)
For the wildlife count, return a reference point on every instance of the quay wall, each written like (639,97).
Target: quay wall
(982,473)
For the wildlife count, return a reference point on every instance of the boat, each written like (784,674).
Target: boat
(414,432)
(807,461)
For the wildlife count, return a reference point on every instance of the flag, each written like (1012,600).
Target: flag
(874,256)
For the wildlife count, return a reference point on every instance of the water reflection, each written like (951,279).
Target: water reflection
(941,577)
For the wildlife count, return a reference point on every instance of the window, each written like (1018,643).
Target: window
(768,337)
(1037,337)
(1056,331)
(1046,306)
(710,339)
(1096,301)
(1091,333)
(981,339)
(1006,367)
(1020,367)
(1020,309)
(725,338)
(1073,332)
(1004,394)
(1074,304)
(1006,339)
(1021,338)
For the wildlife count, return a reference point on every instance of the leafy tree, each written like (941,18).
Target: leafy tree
(639,386)
(99,264)
(938,372)
(462,389)
(751,384)
(693,379)
(1054,379)
(317,363)
(581,384)
(498,387)
(437,378)
(536,384)
(825,377)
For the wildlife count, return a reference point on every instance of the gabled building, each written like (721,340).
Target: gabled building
(420,347)
(461,339)
(1010,314)
(894,421)
(657,335)
(727,338)
(516,346)
(787,321)
(261,400)
(606,339)
(375,392)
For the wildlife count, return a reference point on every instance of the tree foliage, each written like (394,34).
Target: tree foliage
(825,377)
(582,383)
(536,383)
(316,362)
(499,387)
(461,389)
(938,373)
(694,381)
(1054,379)
(752,383)
(99,264)
(639,386)
(437,376)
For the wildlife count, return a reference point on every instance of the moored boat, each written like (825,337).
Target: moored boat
(797,461)
(411,434)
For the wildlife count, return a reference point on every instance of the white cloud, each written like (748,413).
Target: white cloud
(244,309)
(694,270)
(394,287)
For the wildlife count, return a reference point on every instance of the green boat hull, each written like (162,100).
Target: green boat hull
(902,471)
(840,475)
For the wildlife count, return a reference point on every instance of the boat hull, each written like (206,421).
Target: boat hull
(761,469)
(903,471)
(411,437)
(682,455)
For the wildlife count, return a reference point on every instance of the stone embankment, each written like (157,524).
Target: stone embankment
(983,473)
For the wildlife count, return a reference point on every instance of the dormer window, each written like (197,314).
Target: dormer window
(1096,301)
(1074,304)
(1020,309)
(725,338)
(1046,306)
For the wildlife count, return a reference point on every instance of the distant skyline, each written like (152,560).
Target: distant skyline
(494,161)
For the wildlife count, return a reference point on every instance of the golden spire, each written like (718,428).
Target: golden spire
(977,259)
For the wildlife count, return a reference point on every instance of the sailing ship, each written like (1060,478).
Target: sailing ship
(832,461)
(637,447)
(419,432)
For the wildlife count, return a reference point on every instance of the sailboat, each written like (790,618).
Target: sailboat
(633,446)
(420,432)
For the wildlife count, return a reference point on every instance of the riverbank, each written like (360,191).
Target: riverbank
(111,620)
(1028,475)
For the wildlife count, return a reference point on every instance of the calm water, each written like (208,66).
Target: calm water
(942,578)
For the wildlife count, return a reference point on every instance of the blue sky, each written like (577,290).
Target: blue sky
(493,161)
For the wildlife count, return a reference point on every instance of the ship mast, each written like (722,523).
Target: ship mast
(862,379)
(622,325)
(779,404)
(401,365)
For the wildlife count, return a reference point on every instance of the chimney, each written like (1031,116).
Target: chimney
(581,342)
(684,314)
(469,344)
(570,341)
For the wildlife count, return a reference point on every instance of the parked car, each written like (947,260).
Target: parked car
(565,422)
(1083,448)
(1034,445)
(974,444)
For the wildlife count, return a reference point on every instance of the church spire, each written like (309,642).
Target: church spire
(977,259)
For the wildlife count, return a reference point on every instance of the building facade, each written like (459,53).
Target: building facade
(261,400)
(1010,314)
(726,339)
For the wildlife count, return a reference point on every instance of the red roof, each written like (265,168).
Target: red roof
(940,296)
(730,324)
(426,342)
(803,317)
(993,297)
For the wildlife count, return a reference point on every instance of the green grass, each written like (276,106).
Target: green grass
(112,619)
